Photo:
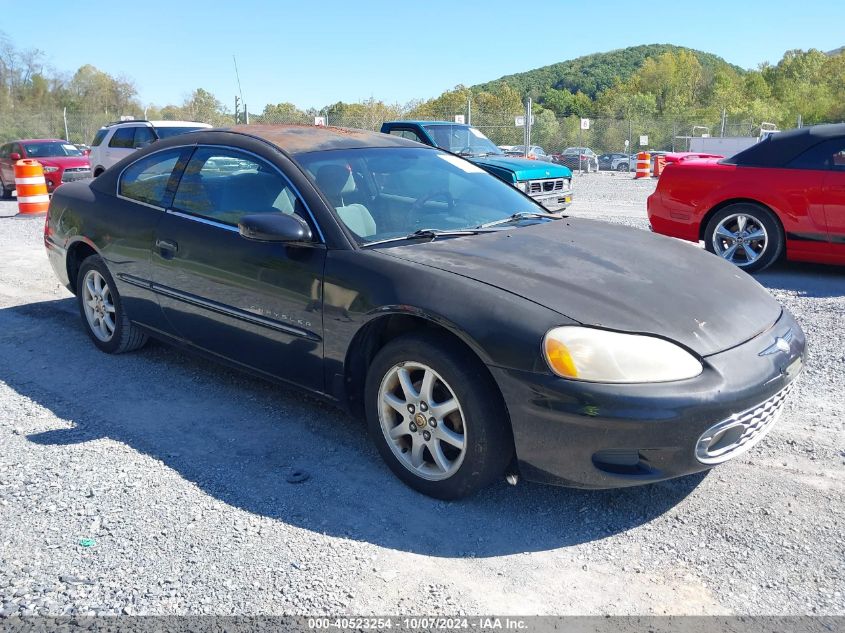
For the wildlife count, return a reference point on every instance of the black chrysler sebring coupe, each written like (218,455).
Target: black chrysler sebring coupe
(477,333)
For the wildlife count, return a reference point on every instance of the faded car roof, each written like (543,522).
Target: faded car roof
(299,139)
(778,149)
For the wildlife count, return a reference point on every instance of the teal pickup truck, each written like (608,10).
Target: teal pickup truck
(548,183)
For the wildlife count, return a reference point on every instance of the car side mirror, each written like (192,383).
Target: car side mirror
(274,227)
(15,156)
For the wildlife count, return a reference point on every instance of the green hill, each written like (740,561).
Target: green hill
(593,73)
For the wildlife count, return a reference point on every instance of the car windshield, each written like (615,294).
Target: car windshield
(462,139)
(56,148)
(387,193)
(167,132)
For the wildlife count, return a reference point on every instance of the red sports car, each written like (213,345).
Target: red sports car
(786,194)
(62,161)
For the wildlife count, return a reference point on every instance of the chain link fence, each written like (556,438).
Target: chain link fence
(552,133)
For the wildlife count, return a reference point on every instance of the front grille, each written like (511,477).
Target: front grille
(545,186)
(741,431)
(76,173)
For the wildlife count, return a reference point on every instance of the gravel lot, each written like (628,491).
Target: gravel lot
(177,472)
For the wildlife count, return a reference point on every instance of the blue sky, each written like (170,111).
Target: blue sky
(316,53)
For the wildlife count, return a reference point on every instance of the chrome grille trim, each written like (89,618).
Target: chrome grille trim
(734,436)
(75,173)
(545,186)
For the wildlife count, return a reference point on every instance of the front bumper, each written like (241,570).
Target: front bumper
(554,201)
(590,435)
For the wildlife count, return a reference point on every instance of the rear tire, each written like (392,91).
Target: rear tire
(436,416)
(5,193)
(622,167)
(101,309)
(746,234)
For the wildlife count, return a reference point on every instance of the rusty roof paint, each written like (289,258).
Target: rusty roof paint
(299,139)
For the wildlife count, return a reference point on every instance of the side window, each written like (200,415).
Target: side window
(408,134)
(4,151)
(829,155)
(143,137)
(123,137)
(99,136)
(146,180)
(223,185)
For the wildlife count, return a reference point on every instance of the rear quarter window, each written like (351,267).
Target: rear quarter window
(146,180)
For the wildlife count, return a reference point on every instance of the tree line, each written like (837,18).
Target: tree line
(661,89)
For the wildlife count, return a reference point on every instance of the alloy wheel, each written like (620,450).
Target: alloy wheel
(740,238)
(99,305)
(422,421)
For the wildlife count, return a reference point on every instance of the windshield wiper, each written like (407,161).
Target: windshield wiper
(434,234)
(516,217)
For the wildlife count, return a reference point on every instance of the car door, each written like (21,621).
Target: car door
(144,190)
(258,304)
(817,184)
(834,198)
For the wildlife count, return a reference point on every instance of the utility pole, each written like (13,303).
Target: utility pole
(237,109)
(469,110)
(64,116)
(527,128)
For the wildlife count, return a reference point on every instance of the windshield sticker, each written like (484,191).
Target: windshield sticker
(476,133)
(460,163)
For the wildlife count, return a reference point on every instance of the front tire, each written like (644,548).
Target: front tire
(102,311)
(436,416)
(622,167)
(745,234)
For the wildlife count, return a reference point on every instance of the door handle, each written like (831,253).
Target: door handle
(167,248)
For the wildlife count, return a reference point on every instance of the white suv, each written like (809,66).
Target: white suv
(117,140)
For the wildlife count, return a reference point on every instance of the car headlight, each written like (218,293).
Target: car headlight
(49,169)
(594,355)
(522,186)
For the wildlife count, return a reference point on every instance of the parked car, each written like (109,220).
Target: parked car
(119,139)
(547,183)
(607,161)
(578,158)
(783,196)
(62,162)
(414,288)
(535,152)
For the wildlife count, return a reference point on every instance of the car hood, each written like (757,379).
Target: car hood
(613,277)
(65,161)
(524,168)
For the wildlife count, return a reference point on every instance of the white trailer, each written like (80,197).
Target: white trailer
(722,145)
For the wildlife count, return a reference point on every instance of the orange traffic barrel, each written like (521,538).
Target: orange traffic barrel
(31,186)
(659,166)
(643,165)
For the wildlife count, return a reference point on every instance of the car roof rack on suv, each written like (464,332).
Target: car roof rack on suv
(126,121)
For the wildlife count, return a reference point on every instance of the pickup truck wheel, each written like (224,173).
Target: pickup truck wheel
(745,234)
(436,417)
(102,310)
